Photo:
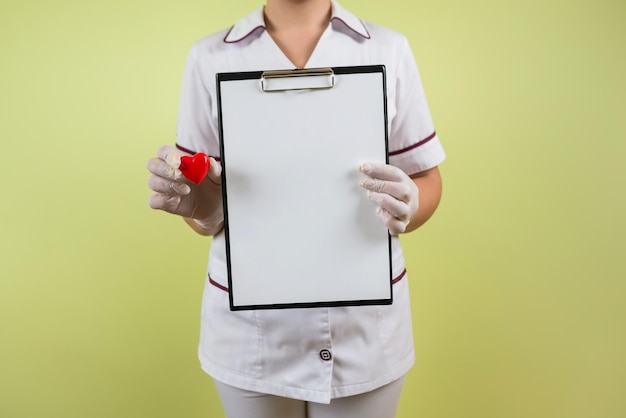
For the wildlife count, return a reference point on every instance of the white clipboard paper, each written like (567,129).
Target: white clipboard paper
(299,230)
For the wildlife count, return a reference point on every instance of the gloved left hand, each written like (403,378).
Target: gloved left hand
(395,193)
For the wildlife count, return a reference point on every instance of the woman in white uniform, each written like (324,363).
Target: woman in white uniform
(313,362)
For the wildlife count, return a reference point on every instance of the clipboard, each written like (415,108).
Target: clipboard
(299,230)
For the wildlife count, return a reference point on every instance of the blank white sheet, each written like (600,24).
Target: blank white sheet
(299,230)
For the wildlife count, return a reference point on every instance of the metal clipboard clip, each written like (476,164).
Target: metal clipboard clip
(305,79)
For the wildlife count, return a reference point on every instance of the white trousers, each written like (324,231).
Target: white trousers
(379,403)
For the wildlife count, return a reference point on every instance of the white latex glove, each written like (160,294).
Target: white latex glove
(395,193)
(173,193)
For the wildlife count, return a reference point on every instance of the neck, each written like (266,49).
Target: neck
(292,14)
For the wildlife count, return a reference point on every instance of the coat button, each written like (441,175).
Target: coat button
(325,355)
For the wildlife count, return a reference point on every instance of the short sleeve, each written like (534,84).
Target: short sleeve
(196,129)
(414,145)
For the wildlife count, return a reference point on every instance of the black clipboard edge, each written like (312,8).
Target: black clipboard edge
(248,75)
(304,305)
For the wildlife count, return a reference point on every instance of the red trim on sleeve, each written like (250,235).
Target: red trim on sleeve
(183,149)
(400,277)
(409,148)
(216,284)
(188,151)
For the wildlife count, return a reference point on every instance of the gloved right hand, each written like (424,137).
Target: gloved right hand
(173,193)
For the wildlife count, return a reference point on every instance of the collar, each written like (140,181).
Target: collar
(255,21)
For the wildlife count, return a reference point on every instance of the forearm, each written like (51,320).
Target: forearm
(430,187)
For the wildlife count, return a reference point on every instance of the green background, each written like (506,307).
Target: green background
(517,282)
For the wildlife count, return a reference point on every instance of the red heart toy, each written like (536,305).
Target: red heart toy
(194,168)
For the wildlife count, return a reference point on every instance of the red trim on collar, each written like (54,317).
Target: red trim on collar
(353,30)
(243,37)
